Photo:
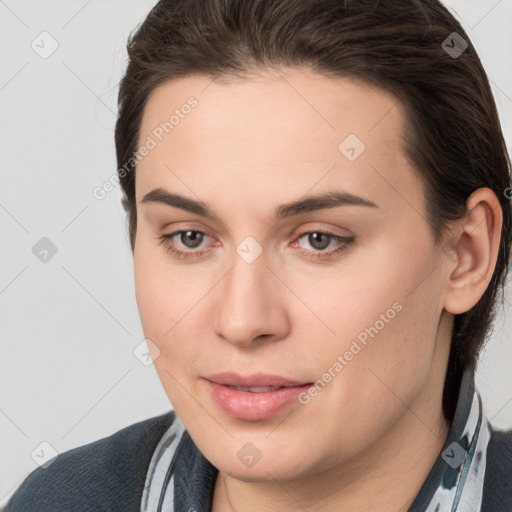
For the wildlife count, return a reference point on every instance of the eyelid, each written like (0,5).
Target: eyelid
(169,236)
(297,232)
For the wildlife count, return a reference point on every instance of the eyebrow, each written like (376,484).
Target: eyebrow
(331,199)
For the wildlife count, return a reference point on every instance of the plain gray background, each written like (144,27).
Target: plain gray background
(69,326)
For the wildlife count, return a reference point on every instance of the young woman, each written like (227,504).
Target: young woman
(317,196)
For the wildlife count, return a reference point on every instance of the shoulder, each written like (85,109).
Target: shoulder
(107,474)
(497,494)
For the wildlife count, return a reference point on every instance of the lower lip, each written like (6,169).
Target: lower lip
(254,406)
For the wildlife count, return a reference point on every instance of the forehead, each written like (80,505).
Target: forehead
(299,99)
(292,131)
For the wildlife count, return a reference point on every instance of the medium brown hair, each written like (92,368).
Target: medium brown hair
(454,139)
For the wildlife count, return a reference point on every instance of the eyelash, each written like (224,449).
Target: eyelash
(313,254)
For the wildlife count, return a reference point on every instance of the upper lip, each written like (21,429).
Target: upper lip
(255,380)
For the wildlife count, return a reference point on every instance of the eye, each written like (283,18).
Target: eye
(318,239)
(192,239)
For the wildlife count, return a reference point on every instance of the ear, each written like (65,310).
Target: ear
(476,247)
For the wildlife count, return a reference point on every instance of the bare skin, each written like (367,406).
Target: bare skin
(369,438)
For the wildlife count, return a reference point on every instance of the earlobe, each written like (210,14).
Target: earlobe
(476,247)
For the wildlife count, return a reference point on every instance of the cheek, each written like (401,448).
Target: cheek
(159,289)
(157,304)
(382,315)
(171,308)
(386,337)
(149,298)
(163,314)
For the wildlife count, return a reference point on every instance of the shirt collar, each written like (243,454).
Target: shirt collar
(455,482)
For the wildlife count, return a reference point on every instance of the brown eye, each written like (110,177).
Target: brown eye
(189,239)
(315,239)
(196,237)
(320,241)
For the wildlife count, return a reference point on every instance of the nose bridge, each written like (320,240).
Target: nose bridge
(249,304)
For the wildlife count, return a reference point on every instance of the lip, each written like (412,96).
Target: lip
(255,380)
(246,405)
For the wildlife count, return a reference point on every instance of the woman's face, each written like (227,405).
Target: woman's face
(347,294)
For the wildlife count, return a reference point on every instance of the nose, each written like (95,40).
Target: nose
(251,304)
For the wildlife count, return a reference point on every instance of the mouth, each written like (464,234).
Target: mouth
(263,380)
(254,397)
(254,389)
